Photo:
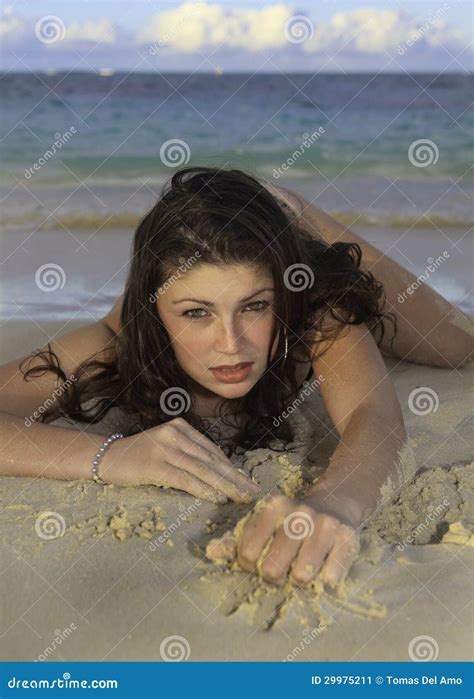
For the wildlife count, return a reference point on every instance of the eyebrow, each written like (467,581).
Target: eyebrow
(209,303)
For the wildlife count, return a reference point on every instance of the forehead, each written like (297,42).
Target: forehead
(226,282)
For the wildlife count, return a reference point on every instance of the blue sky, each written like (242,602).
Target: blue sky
(246,35)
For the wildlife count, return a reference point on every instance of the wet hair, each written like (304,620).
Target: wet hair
(219,217)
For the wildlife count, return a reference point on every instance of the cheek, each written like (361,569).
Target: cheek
(274,346)
(258,334)
(187,343)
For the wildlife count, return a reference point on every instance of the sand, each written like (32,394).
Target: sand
(110,573)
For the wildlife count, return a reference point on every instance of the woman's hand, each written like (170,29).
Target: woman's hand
(304,541)
(175,455)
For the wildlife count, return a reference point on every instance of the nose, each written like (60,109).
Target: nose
(228,338)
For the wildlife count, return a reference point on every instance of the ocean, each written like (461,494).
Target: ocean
(84,155)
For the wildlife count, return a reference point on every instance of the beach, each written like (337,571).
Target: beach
(111,573)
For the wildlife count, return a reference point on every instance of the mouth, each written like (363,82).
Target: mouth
(232,374)
(231,367)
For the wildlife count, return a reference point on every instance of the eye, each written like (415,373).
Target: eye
(193,310)
(264,305)
(261,306)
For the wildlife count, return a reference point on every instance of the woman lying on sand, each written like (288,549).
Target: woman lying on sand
(228,272)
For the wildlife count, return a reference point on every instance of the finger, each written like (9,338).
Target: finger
(207,472)
(183,426)
(338,563)
(257,532)
(227,470)
(279,556)
(175,477)
(313,551)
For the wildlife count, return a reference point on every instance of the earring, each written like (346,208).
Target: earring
(286,345)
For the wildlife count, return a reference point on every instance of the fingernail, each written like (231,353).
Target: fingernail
(221,498)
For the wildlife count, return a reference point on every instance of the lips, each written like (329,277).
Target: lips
(242,372)
(230,367)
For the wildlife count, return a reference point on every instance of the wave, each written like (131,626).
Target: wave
(78,222)
(432,221)
(129,221)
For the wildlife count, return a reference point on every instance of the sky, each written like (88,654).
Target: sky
(246,35)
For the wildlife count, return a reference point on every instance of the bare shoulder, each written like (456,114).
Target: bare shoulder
(20,396)
(112,319)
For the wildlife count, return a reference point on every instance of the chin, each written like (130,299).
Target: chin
(235,390)
(231,390)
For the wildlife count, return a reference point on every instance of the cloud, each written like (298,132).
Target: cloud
(370,30)
(15,29)
(101,31)
(237,36)
(11,27)
(194,26)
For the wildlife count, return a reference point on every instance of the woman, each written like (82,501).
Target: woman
(225,274)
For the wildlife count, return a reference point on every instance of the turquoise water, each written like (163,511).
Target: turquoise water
(255,122)
(78,206)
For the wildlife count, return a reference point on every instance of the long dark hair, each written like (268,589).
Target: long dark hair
(221,217)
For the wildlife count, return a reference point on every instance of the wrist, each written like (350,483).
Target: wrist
(101,462)
(331,501)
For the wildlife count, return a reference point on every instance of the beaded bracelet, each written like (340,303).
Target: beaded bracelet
(100,454)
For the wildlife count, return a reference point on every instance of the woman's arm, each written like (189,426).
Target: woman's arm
(320,533)
(430,329)
(22,398)
(373,459)
(31,448)
(46,451)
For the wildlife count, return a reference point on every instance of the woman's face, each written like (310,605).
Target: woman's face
(219,316)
